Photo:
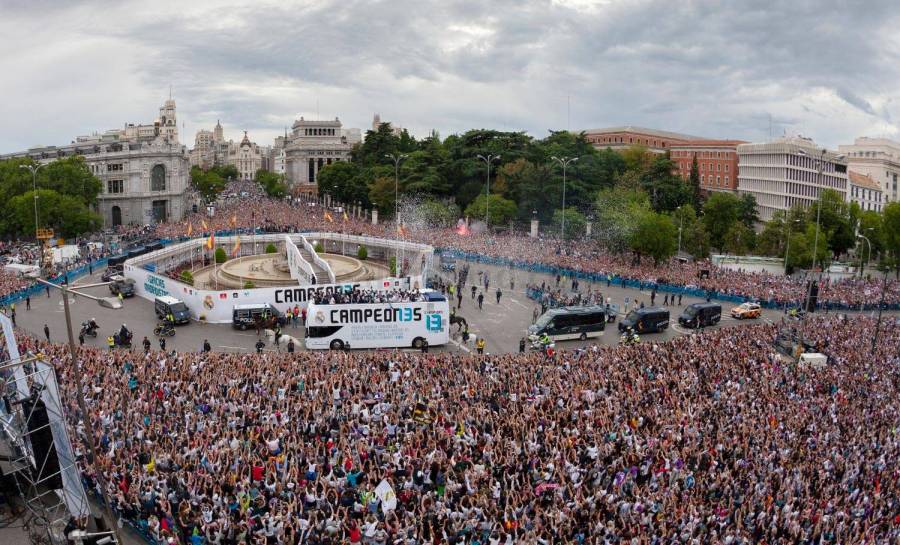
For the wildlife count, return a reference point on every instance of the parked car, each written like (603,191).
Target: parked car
(746,311)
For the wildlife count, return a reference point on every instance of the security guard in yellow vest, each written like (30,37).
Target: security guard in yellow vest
(479,345)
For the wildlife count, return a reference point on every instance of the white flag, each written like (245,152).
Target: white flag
(386,494)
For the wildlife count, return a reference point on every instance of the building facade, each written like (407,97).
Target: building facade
(786,172)
(865,192)
(309,147)
(879,158)
(620,138)
(143,169)
(210,148)
(717,162)
(246,157)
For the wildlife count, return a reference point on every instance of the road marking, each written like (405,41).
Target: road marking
(458,345)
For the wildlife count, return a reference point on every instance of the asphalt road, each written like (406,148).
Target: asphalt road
(501,325)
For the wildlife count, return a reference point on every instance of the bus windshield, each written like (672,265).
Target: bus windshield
(691,311)
(543,321)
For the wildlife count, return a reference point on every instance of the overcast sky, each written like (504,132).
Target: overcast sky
(730,69)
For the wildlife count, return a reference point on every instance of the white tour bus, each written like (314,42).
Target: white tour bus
(378,325)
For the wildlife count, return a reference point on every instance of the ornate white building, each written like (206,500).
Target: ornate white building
(143,169)
(310,146)
(246,157)
(878,158)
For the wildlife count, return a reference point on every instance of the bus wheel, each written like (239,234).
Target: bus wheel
(583,336)
(418,342)
(337,344)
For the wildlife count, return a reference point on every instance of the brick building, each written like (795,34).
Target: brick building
(621,138)
(717,161)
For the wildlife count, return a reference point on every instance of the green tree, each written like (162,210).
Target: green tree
(273,184)
(891,229)
(747,213)
(617,215)
(667,191)
(654,236)
(438,214)
(501,210)
(271,249)
(720,212)
(226,172)
(319,248)
(209,183)
(362,253)
(575,223)
(65,214)
(799,253)
(187,277)
(871,225)
(381,194)
(221,256)
(342,180)
(694,180)
(740,239)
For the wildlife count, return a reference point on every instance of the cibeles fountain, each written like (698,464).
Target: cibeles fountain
(280,269)
(271,270)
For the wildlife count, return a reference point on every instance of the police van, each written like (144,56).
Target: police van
(570,323)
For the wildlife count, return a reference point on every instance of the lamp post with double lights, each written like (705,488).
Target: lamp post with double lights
(862,264)
(78,372)
(33,168)
(820,167)
(787,244)
(487,195)
(564,162)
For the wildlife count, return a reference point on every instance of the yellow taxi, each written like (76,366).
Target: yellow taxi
(746,311)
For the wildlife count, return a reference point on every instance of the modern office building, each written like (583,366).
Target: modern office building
(717,162)
(879,158)
(788,172)
(143,169)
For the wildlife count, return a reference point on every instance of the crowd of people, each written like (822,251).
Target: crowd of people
(709,438)
(250,209)
(364,296)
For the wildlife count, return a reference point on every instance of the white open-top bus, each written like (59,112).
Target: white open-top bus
(379,325)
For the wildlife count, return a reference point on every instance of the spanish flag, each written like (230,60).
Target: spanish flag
(345,216)
(203,223)
(234,220)
(328,217)
(401,230)
(190,229)
(211,242)
(237,247)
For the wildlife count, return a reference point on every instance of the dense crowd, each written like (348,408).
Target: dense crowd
(363,296)
(709,438)
(256,211)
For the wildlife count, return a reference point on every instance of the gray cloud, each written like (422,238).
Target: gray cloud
(708,68)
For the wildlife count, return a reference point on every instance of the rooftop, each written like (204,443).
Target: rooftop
(863,180)
(644,131)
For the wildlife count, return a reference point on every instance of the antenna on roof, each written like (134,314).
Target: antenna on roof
(170,91)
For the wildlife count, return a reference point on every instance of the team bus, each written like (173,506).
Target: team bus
(378,325)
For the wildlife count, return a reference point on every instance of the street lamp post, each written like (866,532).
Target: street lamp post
(33,168)
(565,162)
(108,302)
(487,194)
(396,158)
(880,309)
(862,264)
(787,245)
(819,169)
(680,226)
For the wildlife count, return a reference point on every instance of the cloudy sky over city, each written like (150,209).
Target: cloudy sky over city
(827,70)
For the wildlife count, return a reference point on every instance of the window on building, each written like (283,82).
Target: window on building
(158,178)
(115,186)
(114,167)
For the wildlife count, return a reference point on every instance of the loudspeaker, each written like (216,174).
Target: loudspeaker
(46,461)
(812,296)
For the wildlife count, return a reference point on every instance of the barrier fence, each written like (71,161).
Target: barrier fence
(616,280)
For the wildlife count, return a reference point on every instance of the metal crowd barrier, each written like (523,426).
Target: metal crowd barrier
(625,282)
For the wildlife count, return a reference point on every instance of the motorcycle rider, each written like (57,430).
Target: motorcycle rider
(92,326)
(545,340)
(124,334)
(170,319)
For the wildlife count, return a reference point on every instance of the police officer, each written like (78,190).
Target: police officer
(111,342)
(162,344)
(206,346)
(290,346)
(479,345)
(521,345)
(259,346)
(146,344)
